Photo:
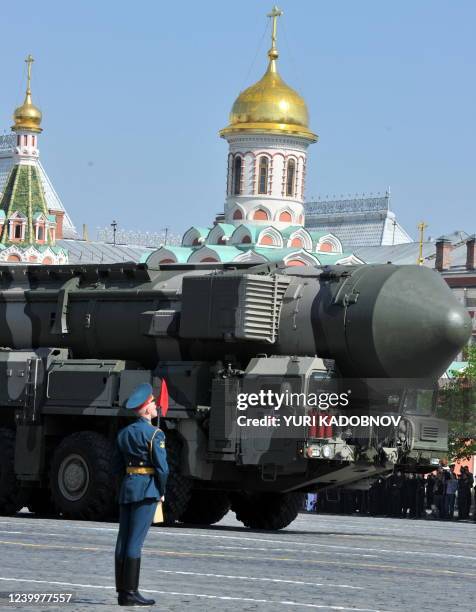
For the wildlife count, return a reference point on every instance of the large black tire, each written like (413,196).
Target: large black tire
(206,507)
(10,494)
(41,503)
(266,510)
(179,488)
(81,478)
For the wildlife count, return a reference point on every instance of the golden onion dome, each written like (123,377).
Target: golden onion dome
(27,116)
(270,105)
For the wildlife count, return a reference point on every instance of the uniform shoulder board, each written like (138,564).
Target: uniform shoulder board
(162,442)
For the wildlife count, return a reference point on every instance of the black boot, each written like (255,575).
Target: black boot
(130,596)
(119,568)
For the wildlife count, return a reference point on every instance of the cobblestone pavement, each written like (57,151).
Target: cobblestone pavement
(320,562)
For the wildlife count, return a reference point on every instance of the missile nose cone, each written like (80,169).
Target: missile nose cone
(390,321)
(419,326)
(457,327)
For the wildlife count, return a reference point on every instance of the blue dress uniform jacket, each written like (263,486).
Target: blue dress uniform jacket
(132,445)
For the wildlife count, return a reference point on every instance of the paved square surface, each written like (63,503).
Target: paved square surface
(320,562)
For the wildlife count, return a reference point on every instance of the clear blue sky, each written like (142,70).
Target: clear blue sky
(133,94)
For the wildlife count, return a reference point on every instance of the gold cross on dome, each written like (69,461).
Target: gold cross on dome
(29,61)
(275,13)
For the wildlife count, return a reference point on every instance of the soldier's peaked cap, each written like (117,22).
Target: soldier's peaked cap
(139,396)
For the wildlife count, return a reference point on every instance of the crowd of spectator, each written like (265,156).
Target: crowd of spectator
(443,494)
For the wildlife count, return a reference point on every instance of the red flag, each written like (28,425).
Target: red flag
(164,398)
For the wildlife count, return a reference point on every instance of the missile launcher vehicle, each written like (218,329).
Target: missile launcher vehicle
(77,339)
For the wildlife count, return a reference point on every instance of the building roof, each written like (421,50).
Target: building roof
(399,254)
(227,228)
(180,253)
(83,251)
(289,230)
(405,254)
(357,222)
(226,253)
(456,237)
(316,235)
(253,230)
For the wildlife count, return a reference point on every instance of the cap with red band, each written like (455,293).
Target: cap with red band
(142,395)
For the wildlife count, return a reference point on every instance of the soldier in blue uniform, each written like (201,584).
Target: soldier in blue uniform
(140,455)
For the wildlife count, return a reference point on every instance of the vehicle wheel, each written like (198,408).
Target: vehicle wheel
(206,507)
(41,503)
(81,477)
(10,494)
(179,488)
(266,510)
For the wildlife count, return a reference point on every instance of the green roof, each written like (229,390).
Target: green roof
(57,249)
(332,258)
(329,259)
(23,194)
(203,231)
(287,231)
(43,247)
(316,236)
(227,228)
(226,253)
(145,256)
(279,254)
(181,253)
(253,229)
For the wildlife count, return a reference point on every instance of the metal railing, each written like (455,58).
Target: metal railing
(157,239)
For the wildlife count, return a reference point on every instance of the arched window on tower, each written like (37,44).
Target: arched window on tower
(290,178)
(260,215)
(285,217)
(263,174)
(237,173)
